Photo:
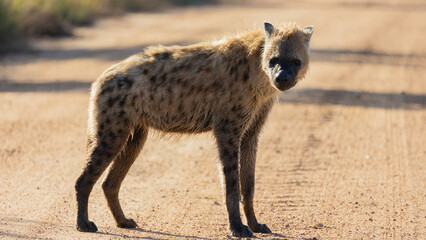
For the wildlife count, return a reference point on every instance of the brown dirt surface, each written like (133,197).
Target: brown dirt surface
(342,156)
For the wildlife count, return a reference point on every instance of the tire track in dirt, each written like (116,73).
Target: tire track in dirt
(332,162)
(384,27)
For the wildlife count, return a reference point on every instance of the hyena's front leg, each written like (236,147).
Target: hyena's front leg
(247,170)
(247,179)
(228,142)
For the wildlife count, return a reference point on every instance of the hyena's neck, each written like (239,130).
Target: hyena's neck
(245,52)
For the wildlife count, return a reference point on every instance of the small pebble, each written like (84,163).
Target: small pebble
(319,226)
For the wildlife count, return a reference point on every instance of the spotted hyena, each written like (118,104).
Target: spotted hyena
(227,87)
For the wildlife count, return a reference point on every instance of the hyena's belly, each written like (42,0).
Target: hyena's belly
(178,115)
(182,123)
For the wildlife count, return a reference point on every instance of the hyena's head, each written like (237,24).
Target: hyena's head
(286,54)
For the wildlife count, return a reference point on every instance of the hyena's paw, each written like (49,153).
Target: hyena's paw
(127,223)
(260,228)
(241,231)
(86,226)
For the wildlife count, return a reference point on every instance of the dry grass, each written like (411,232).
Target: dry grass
(20,19)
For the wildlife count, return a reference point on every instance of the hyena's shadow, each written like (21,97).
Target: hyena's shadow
(163,235)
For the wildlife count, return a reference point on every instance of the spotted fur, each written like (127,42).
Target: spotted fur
(226,87)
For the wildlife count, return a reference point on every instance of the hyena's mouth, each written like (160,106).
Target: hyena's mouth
(285,85)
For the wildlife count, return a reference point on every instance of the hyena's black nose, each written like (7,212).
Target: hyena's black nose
(283,78)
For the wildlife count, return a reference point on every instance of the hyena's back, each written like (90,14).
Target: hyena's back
(176,89)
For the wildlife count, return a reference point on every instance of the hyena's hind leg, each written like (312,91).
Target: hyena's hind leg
(118,171)
(102,149)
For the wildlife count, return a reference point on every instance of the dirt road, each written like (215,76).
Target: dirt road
(342,156)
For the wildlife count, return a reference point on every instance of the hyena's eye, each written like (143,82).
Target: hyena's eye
(296,62)
(274,61)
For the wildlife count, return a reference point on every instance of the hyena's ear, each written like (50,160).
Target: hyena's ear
(308,32)
(269,29)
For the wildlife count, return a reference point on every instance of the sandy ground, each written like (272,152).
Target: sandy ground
(342,156)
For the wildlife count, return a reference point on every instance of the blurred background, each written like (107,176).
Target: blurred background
(22,19)
(342,155)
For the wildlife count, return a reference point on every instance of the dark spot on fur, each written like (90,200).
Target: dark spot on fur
(174,69)
(163,55)
(200,88)
(186,66)
(122,101)
(145,71)
(236,130)
(112,135)
(191,90)
(225,152)
(241,115)
(151,96)
(104,144)
(104,112)
(246,75)
(105,90)
(169,89)
(180,107)
(101,126)
(126,82)
(121,113)
(98,162)
(91,169)
(227,170)
(153,79)
(108,121)
(133,100)
(107,154)
(216,86)
(230,185)
(232,70)
(111,101)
